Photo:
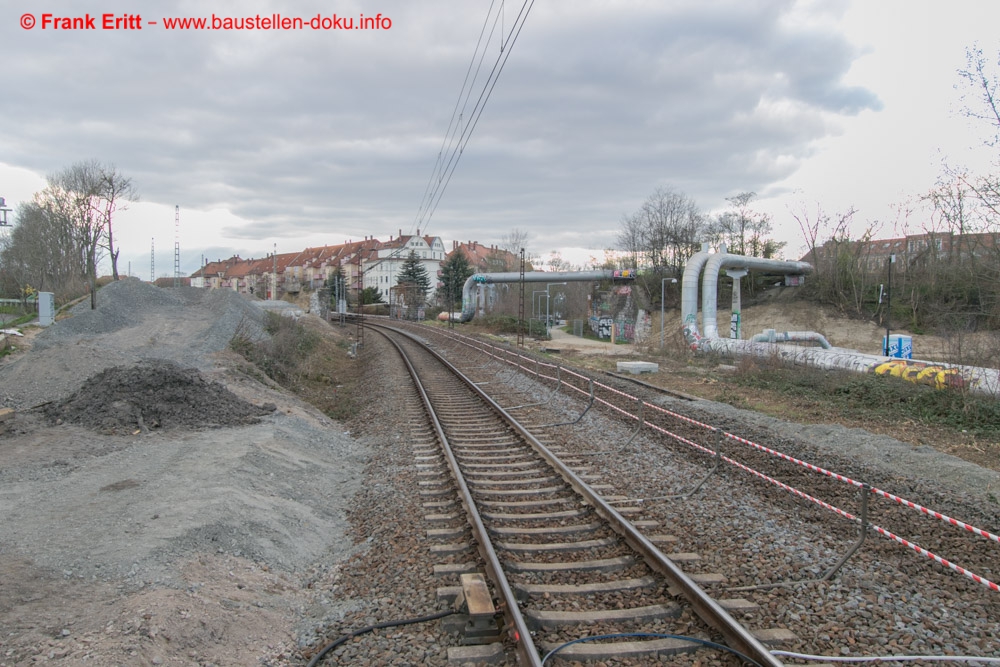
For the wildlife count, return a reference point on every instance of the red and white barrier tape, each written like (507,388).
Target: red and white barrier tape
(924,552)
(809,466)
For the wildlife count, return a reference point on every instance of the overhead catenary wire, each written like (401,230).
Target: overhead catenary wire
(477,111)
(444,168)
(445,145)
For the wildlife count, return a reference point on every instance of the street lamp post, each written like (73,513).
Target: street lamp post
(536,313)
(663,298)
(547,306)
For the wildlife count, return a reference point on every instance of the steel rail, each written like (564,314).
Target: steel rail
(524,645)
(735,634)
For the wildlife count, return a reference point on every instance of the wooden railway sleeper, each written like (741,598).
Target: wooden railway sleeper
(479,615)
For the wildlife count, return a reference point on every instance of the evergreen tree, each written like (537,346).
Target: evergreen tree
(454,272)
(414,275)
(371,295)
(414,279)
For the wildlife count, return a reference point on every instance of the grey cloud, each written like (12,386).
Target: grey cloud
(598,105)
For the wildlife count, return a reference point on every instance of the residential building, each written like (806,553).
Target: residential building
(382,268)
(487,258)
(311,268)
(911,250)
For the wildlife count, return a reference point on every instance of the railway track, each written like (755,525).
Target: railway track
(771,470)
(563,562)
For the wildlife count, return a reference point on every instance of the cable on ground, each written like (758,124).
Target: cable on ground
(886,658)
(378,626)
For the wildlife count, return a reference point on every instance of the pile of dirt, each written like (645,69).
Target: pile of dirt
(156,394)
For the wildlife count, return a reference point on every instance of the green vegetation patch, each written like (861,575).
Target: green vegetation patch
(311,361)
(507,324)
(877,397)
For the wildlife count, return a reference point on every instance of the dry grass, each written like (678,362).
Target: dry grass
(959,425)
(309,358)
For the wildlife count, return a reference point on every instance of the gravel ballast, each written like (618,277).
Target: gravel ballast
(254,543)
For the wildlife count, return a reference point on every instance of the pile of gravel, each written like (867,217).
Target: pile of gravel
(127,303)
(133,322)
(119,305)
(153,395)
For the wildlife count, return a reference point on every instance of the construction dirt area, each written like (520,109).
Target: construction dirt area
(160,506)
(163,502)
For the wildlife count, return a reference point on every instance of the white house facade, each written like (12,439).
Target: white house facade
(382,270)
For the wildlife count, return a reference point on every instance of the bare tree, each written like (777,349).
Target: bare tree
(75,192)
(748,231)
(630,239)
(117,190)
(41,251)
(981,83)
(663,233)
(838,259)
(981,97)
(507,256)
(954,214)
(740,220)
(89,193)
(556,262)
(514,242)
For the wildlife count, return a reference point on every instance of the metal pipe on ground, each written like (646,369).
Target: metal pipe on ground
(772,336)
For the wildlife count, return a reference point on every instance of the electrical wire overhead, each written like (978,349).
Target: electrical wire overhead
(463,122)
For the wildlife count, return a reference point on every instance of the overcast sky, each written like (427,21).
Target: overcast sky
(296,138)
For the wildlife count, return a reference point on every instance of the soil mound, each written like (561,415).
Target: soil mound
(153,395)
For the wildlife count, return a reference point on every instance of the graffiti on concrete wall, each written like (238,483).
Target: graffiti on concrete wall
(624,328)
(690,330)
(604,325)
(612,313)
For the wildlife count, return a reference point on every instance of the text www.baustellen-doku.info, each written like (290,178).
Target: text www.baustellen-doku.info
(87,21)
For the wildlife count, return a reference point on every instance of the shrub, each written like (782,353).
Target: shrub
(280,351)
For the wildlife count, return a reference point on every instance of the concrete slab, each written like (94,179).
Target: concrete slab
(638,367)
